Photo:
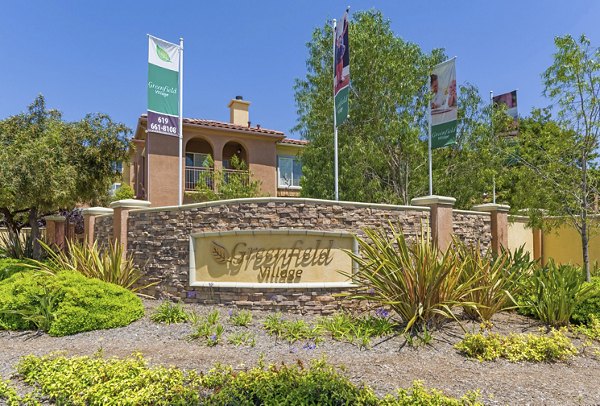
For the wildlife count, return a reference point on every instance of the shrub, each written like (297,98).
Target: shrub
(169,313)
(554,292)
(591,330)
(415,280)
(517,347)
(107,263)
(589,307)
(9,267)
(130,381)
(495,279)
(98,381)
(124,191)
(64,303)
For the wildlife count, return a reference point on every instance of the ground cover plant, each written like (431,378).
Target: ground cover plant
(64,303)
(518,347)
(207,328)
(241,318)
(168,312)
(422,286)
(130,381)
(358,330)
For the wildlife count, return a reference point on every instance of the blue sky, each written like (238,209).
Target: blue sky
(92,56)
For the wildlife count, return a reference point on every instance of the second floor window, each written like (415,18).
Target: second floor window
(289,171)
(196,160)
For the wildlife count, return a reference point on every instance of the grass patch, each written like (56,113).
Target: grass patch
(242,318)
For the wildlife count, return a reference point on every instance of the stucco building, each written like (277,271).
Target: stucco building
(209,146)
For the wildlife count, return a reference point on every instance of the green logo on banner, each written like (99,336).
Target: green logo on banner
(162,54)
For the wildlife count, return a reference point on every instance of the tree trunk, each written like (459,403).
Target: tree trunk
(584,209)
(35,233)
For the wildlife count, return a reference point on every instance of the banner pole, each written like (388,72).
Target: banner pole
(492,127)
(335,130)
(180,121)
(429,153)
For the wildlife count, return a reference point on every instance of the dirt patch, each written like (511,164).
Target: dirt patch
(388,365)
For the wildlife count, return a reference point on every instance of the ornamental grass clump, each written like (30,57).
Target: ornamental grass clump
(415,280)
(107,263)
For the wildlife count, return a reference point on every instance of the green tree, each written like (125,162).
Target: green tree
(381,156)
(47,164)
(573,83)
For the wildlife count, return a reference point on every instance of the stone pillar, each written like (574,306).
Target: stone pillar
(121,215)
(89,221)
(538,253)
(440,218)
(55,230)
(499,215)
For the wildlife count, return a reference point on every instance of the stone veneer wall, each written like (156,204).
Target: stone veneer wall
(473,227)
(159,241)
(103,229)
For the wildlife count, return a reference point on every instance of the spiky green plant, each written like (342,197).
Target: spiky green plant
(495,279)
(107,263)
(553,293)
(421,284)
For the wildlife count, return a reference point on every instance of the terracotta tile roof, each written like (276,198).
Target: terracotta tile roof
(229,126)
(293,141)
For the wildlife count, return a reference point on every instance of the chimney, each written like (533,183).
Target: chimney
(238,111)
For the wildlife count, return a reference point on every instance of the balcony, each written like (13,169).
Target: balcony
(202,175)
(236,176)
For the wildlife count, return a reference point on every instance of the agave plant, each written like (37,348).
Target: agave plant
(107,263)
(421,284)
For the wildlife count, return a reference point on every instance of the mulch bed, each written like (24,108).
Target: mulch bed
(388,365)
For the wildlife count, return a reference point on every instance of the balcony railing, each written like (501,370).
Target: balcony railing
(232,175)
(195,175)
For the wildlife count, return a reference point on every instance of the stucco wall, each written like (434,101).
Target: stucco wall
(564,245)
(520,235)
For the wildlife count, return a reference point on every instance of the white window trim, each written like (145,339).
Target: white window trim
(284,186)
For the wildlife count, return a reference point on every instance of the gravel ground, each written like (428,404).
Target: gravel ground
(386,366)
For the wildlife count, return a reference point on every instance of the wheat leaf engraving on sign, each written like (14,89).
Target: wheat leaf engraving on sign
(162,54)
(219,253)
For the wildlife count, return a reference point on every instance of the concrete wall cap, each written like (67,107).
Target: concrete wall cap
(130,203)
(55,218)
(433,199)
(96,211)
(490,207)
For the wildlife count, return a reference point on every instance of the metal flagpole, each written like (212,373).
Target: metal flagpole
(180,121)
(492,127)
(429,152)
(335,130)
